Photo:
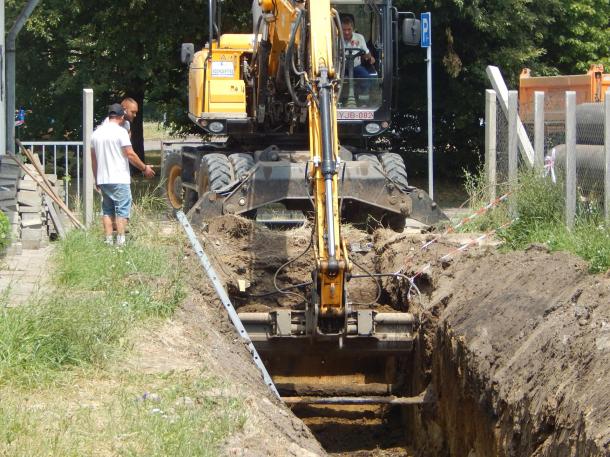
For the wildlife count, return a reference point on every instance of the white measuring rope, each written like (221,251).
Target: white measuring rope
(458,250)
(467,219)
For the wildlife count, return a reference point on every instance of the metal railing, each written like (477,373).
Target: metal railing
(62,156)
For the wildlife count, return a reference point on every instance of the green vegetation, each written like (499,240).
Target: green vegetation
(5,232)
(131,415)
(69,382)
(540,207)
(155,131)
(101,293)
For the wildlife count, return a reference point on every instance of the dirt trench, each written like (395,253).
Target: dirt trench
(516,346)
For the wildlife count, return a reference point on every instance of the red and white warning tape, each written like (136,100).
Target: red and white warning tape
(449,255)
(467,219)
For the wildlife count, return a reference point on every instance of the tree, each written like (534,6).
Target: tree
(131,47)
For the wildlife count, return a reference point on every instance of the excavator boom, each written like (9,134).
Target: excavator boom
(276,104)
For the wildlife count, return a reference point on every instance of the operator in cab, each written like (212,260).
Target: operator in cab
(356,40)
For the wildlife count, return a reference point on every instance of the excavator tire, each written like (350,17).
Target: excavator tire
(172,180)
(215,172)
(395,168)
(242,164)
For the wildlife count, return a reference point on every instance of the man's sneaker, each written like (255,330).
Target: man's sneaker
(109,241)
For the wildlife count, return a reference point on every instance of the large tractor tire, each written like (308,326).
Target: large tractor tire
(214,173)
(172,180)
(394,167)
(242,163)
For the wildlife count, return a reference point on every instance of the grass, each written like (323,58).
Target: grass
(184,414)
(100,293)
(540,207)
(64,387)
(5,232)
(155,131)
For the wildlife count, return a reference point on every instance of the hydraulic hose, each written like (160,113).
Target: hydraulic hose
(288,60)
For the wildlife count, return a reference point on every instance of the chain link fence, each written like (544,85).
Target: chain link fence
(589,153)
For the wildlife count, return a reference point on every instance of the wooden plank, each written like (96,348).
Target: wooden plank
(499,86)
(54,216)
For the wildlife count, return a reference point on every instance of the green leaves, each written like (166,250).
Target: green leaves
(132,47)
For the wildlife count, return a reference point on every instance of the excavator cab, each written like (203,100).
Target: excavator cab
(363,78)
(366,101)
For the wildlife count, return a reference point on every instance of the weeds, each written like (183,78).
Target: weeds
(5,232)
(101,292)
(151,415)
(60,392)
(541,219)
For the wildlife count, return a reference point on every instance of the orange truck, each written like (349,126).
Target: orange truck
(590,88)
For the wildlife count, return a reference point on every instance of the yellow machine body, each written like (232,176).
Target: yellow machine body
(216,84)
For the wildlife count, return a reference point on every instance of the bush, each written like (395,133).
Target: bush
(541,219)
(5,232)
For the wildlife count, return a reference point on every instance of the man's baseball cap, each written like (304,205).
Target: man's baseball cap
(116,110)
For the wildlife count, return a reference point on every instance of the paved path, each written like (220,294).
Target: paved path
(24,277)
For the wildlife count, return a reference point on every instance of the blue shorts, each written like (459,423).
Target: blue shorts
(116,200)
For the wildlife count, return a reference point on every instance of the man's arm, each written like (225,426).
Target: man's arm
(362,45)
(136,162)
(94,165)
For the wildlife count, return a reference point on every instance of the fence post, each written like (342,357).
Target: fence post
(570,158)
(513,158)
(88,181)
(490,141)
(539,130)
(607,155)
(497,82)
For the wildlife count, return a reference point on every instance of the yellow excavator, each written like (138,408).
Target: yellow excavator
(288,113)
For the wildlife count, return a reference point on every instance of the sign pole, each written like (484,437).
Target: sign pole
(426,42)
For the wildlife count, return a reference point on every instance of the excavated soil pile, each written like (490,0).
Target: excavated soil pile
(516,346)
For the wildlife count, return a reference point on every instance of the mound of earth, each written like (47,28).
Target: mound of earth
(517,346)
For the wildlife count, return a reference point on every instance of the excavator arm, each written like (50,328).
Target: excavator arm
(321,76)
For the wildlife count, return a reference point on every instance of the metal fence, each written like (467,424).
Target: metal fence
(574,154)
(63,159)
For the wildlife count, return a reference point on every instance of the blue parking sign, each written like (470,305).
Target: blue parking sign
(426,30)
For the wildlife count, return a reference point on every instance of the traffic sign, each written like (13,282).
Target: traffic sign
(426,30)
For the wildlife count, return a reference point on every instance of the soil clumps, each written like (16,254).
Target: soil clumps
(516,345)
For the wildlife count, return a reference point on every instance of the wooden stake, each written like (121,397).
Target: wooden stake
(48,191)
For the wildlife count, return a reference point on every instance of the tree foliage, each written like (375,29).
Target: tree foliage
(131,47)
(548,36)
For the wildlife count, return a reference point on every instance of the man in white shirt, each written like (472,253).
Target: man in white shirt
(130,107)
(355,40)
(111,154)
